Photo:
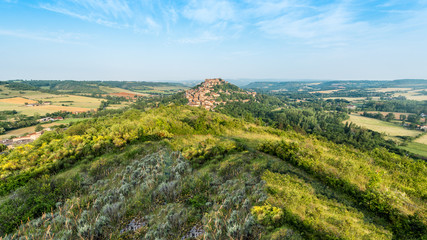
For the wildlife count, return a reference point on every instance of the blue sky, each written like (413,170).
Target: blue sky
(188,40)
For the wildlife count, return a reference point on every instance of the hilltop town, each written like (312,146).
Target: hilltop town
(216,91)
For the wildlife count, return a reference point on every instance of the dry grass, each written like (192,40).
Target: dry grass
(387,128)
(422,140)
(391,89)
(352,99)
(18,100)
(326,91)
(73,100)
(118,90)
(412,95)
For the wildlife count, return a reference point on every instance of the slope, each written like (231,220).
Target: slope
(187,173)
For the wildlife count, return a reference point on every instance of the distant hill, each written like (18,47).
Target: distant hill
(314,85)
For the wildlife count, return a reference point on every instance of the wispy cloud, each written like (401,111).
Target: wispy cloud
(202,38)
(315,23)
(109,13)
(58,37)
(337,24)
(209,11)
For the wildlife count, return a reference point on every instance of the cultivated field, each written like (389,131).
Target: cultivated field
(42,109)
(69,103)
(412,95)
(387,128)
(73,100)
(18,100)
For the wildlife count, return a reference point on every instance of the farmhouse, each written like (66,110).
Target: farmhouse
(46,119)
(351,107)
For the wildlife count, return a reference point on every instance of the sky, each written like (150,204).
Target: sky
(172,40)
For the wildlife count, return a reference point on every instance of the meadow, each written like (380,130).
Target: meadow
(417,148)
(389,129)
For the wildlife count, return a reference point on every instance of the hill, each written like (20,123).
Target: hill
(213,92)
(180,172)
(313,85)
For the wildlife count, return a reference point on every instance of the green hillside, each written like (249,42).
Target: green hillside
(180,172)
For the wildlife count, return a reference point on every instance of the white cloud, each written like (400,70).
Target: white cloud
(209,11)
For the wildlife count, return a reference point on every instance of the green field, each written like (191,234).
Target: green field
(392,131)
(389,129)
(417,148)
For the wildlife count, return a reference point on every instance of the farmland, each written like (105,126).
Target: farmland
(18,100)
(393,131)
(41,109)
(412,95)
(387,128)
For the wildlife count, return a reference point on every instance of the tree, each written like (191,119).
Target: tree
(389,117)
(3,147)
(39,128)
(402,117)
(414,118)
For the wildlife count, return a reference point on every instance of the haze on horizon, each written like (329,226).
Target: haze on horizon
(179,40)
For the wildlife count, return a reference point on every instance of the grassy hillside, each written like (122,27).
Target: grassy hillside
(186,173)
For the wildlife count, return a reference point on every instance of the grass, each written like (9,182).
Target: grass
(308,202)
(422,139)
(412,95)
(417,148)
(387,128)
